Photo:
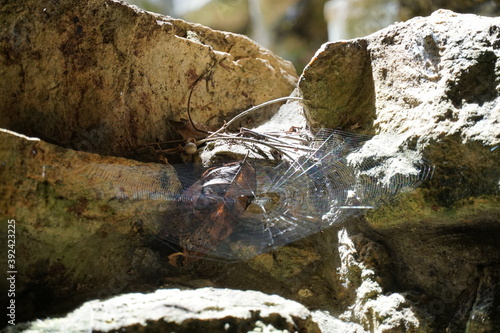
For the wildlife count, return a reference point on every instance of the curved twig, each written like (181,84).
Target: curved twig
(244,113)
(189,105)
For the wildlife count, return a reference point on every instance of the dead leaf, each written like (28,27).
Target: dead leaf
(218,200)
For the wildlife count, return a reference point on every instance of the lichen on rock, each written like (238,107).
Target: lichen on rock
(71,218)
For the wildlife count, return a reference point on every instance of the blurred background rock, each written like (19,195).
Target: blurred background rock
(295,29)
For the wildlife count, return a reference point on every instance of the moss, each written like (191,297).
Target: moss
(413,207)
(338,88)
(52,209)
(285,262)
(463,170)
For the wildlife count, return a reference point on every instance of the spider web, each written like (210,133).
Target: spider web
(289,202)
(295,200)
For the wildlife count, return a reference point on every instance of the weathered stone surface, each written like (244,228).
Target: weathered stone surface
(426,261)
(434,84)
(432,91)
(173,310)
(337,86)
(292,29)
(80,232)
(106,77)
(328,323)
(407,74)
(370,307)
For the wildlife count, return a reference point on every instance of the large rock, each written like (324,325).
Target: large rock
(429,89)
(103,76)
(426,261)
(80,232)
(173,310)
(400,79)
(106,77)
(429,85)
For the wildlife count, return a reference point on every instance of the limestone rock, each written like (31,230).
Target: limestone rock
(106,77)
(371,308)
(429,89)
(427,260)
(174,310)
(337,86)
(404,76)
(80,232)
(329,323)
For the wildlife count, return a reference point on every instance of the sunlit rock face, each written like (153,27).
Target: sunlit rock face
(429,89)
(103,76)
(404,76)
(173,310)
(422,86)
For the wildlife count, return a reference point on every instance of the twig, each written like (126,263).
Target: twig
(244,113)
(189,104)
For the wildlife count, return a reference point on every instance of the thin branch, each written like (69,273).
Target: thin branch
(244,113)
(189,104)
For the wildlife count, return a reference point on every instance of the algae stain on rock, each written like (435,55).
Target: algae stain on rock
(415,208)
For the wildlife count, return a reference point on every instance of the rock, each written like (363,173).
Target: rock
(424,65)
(328,323)
(292,29)
(169,310)
(106,77)
(429,89)
(424,86)
(485,313)
(371,308)
(337,86)
(73,212)
(424,261)
(102,76)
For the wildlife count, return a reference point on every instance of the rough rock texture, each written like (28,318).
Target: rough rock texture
(429,88)
(370,307)
(427,261)
(73,216)
(106,77)
(404,76)
(293,29)
(335,98)
(173,310)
